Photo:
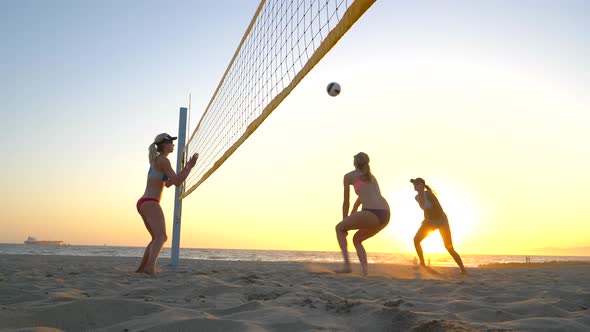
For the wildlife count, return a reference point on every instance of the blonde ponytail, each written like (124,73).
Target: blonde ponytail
(429,189)
(366,171)
(361,161)
(153,153)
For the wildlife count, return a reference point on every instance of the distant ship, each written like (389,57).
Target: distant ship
(32,240)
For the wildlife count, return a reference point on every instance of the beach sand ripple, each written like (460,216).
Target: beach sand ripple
(67,293)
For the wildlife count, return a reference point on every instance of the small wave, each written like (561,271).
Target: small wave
(537,264)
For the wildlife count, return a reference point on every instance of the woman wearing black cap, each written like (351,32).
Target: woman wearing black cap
(148,206)
(434,218)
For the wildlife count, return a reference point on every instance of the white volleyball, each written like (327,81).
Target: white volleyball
(333,89)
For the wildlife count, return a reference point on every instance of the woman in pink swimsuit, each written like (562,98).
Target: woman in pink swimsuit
(370,220)
(160,174)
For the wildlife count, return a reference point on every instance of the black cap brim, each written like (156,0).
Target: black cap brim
(167,139)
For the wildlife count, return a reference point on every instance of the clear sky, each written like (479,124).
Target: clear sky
(486,100)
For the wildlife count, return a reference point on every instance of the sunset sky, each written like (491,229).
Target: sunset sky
(486,100)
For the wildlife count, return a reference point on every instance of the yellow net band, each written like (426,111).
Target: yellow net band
(283,42)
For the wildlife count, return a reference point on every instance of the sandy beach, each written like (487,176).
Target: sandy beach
(67,293)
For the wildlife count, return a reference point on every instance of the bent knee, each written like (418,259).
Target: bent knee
(161,238)
(449,247)
(357,241)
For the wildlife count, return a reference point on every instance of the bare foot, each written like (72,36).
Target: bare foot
(150,271)
(419,266)
(140,269)
(345,269)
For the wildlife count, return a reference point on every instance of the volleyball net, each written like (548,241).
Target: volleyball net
(283,42)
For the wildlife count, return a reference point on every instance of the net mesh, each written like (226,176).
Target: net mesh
(284,40)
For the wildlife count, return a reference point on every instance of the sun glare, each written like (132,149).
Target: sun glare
(407,218)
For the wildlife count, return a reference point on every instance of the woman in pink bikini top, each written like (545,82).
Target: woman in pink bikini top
(373,217)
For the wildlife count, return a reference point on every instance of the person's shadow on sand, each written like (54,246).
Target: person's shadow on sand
(420,269)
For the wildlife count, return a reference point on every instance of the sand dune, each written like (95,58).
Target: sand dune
(66,293)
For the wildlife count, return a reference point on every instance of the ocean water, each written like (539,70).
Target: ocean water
(276,255)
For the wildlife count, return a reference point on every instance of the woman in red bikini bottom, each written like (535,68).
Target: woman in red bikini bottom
(160,174)
(370,220)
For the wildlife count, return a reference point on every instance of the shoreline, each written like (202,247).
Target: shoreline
(354,260)
(437,259)
(530,254)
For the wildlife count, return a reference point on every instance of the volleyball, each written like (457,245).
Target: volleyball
(333,89)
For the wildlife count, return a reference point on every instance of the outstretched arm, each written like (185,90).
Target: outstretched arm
(173,178)
(346,203)
(356,205)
